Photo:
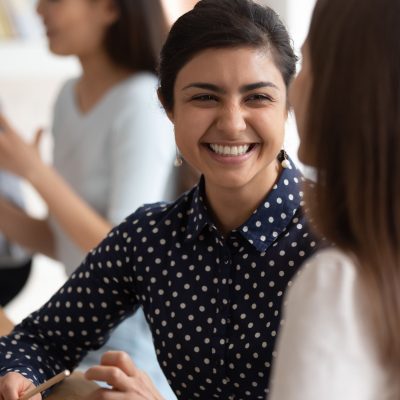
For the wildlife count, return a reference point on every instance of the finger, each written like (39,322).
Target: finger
(4,125)
(151,386)
(109,394)
(38,137)
(121,360)
(113,376)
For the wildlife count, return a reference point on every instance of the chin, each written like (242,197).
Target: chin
(58,50)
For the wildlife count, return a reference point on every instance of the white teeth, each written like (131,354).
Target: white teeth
(230,150)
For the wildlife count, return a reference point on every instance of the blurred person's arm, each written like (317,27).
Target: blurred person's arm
(83,224)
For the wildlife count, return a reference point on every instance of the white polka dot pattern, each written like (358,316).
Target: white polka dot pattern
(213,303)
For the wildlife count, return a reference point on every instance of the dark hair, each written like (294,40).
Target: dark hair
(221,24)
(134,40)
(353,137)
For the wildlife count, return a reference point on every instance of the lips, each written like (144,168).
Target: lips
(230,151)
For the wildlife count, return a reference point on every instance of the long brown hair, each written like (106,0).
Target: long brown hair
(135,39)
(353,139)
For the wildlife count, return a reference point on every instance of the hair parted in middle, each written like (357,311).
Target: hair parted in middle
(221,24)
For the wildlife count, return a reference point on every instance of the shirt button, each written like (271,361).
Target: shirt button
(226,260)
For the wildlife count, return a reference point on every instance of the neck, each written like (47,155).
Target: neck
(99,73)
(232,207)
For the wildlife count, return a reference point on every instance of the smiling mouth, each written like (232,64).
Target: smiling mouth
(231,151)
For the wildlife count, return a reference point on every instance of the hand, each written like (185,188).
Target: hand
(14,385)
(16,155)
(127,381)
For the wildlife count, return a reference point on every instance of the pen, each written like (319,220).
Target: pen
(45,385)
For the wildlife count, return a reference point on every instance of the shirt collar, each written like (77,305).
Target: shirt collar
(266,223)
(276,212)
(198,215)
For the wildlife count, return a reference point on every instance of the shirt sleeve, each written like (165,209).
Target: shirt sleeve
(142,151)
(79,317)
(324,349)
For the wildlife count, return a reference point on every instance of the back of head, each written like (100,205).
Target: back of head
(353,137)
(219,24)
(134,41)
(354,123)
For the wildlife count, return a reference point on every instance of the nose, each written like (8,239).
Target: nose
(231,119)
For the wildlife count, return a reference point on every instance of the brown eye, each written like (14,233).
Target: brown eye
(259,98)
(204,97)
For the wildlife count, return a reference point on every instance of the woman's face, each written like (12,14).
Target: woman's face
(76,27)
(229,115)
(299,95)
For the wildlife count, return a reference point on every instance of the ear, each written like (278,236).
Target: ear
(112,11)
(170,113)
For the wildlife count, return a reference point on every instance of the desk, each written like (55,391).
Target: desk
(5,324)
(75,387)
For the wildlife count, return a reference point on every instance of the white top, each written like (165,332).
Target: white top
(117,157)
(325,347)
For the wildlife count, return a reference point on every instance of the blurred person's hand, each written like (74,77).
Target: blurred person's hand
(16,155)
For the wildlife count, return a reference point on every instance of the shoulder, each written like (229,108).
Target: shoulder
(65,97)
(329,266)
(140,85)
(161,215)
(325,349)
(66,89)
(135,102)
(327,280)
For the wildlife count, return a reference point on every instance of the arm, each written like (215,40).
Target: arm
(84,225)
(324,348)
(78,318)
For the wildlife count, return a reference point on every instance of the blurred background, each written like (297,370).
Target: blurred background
(30,77)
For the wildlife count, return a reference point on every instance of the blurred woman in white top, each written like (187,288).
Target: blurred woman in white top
(340,338)
(113,146)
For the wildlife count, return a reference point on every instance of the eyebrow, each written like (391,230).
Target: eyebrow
(242,89)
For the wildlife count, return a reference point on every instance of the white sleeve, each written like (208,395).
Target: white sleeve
(324,348)
(142,151)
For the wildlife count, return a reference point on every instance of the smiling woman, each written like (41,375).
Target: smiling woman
(229,116)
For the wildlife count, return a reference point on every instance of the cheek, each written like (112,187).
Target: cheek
(192,123)
(272,125)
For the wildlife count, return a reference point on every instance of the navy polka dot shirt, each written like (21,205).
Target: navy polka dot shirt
(213,303)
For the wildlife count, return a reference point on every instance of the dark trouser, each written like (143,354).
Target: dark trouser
(12,280)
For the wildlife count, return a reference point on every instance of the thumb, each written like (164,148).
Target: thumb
(38,137)
(4,125)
